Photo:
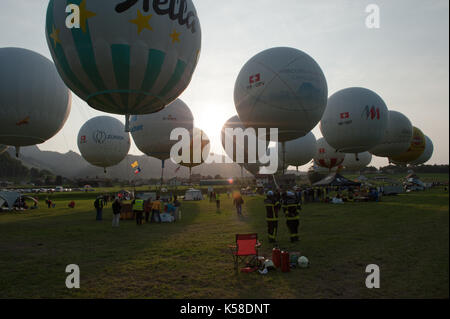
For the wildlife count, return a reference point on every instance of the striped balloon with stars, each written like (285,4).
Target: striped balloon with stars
(126,57)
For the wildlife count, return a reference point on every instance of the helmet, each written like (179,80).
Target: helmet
(303,262)
(269,193)
(268,264)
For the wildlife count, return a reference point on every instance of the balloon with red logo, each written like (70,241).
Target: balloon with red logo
(103,142)
(355,120)
(151,132)
(326,156)
(281,88)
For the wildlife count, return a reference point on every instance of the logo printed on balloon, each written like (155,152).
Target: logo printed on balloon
(256,80)
(372,113)
(177,10)
(99,137)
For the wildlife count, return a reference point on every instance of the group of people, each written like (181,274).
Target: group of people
(290,203)
(160,212)
(142,209)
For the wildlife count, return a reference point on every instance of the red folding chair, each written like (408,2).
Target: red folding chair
(246,251)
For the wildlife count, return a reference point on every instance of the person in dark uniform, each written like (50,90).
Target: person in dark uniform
(291,207)
(272,207)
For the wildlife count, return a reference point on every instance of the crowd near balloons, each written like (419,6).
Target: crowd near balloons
(112,64)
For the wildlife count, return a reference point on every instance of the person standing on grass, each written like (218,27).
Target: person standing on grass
(218,200)
(156,211)
(116,207)
(138,208)
(98,204)
(237,202)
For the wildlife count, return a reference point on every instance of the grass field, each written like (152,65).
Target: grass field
(406,235)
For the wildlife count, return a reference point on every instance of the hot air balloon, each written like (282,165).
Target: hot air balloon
(326,156)
(351,163)
(34,102)
(416,149)
(3,148)
(427,153)
(102,141)
(281,88)
(126,57)
(240,145)
(355,120)
(397,138)
(151,132)
(301,151)
(197,152)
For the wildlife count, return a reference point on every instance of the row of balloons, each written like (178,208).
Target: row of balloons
(121,65)
(285,88)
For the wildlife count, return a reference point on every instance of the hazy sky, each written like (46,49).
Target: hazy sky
(405,61)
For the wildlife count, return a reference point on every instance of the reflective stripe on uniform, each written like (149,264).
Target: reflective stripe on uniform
(294,235)
(293,218)
(139,205)
(272,219)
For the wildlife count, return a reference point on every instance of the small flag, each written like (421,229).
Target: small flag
(135,164)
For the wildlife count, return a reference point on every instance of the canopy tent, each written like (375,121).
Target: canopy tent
(193,195)
(9,198)
(336,179)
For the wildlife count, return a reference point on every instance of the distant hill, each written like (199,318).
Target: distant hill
(72,165)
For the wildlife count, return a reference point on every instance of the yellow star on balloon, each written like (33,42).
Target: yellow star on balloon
(84,15)
(142,22)
(175,36)
(55,35)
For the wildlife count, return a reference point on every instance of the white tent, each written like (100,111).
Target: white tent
(8,198)
(193,195)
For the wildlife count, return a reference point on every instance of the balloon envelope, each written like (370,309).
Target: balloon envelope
(357,162)
(151,132)
(427,153)
(281,88)
(127,57)
(355,120)
(415,150)
(34,102)
(398,136)
(103,142)
(326,156)
(240,151)
(196,159)
(300,151)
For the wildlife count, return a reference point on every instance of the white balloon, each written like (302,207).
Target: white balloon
(34,102)
(301,151)
(103,141)
(127,57)
(196,153)
(427,154)
(326,156)
(281,88)
(151,132)
(3,148)
(398,136)
(357,162)
(355,120)
(238,144)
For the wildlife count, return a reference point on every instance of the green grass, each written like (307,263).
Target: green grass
(406,235)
